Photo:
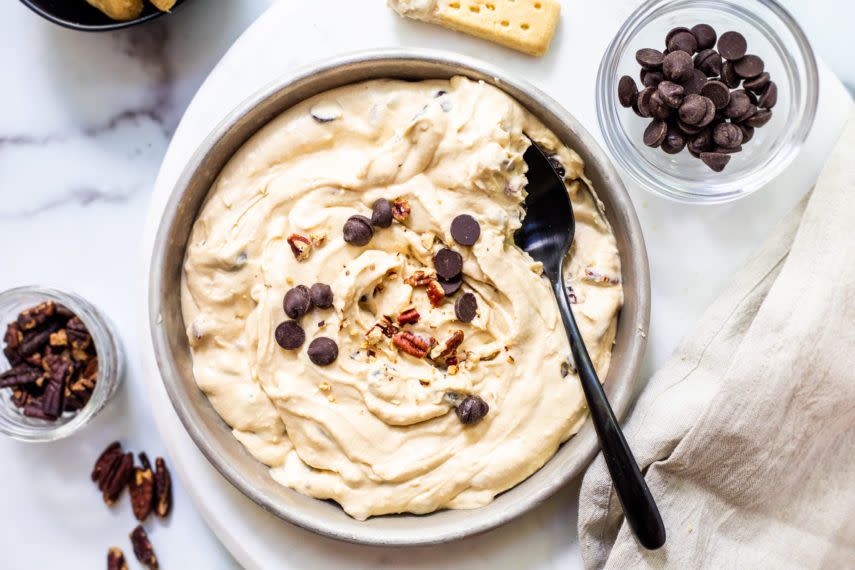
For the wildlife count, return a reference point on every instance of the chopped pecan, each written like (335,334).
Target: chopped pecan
(143,549)
(79,339)
(59,338)
(19,375)
(386,326)
(412,344)
(104,460)
(318,239)
(117,478)
(141,489)
(400,209)
(37,340)
(163,488)
(20,397)
(435,293)
(13,339)
(596,276)
(301,246)
(409,317)
(451,345)
(116,559)
(37,316)
(419,279)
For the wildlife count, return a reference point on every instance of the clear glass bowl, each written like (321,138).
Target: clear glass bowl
(110,363)
(773,34)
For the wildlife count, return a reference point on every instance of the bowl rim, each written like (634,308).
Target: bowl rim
(646,176)
(622,212)
(116,25)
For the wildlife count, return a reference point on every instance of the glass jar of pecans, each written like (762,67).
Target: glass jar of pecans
(61,363)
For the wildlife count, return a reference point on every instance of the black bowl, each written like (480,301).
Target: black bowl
(79,15)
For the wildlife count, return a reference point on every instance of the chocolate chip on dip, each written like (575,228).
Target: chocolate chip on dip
(472,410)
(381,213)
(466,307)
(448,263)
(323,351)
(290,335)
(297,302)
(358,230)
(322,295)
(696,103)
(465,230)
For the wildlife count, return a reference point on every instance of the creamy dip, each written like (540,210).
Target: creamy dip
(376,430)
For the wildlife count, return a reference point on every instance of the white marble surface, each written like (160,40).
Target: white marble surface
(85,122)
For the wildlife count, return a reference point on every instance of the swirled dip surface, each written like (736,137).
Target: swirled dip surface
(375,430)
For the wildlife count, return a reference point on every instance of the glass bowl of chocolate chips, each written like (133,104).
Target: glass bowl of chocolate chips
(706,101)
(61,363)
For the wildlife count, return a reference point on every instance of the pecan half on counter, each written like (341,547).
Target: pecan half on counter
(143,549)
(54,362)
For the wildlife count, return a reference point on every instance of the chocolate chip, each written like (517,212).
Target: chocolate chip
(673,32)
(751,96)
(644,101)
(448,263)
(297,302)
(451,286)
(466,307)
(670,93)
(472,409)
(678,66)
(705,35)
(290,335)
(674,141)
(627,92)
(717,92)
(649,58)
(651,78)
(701,141)
(725,150)
(655,133)
(747,132)
(732,45)
(752,110)
(715,160)
(688,129)
(358,230)
(683,41)
(693,110)
(381,213)
(769,97)
(758,119)
(758,83)
(727,135)
(695,83)
(322,295)
(729,76)
(738,106)
(322,351)
(708,61)
(465,229)
(658,108)
(749,66)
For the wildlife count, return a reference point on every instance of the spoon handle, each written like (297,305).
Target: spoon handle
(638,505)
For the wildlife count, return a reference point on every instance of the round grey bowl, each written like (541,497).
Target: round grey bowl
(214,437)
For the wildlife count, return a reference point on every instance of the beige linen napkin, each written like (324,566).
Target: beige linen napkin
(747,435)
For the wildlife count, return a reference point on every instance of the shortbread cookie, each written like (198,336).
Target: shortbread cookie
(524,25)
(119,9)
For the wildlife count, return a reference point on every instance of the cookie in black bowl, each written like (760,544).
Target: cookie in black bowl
(80,15)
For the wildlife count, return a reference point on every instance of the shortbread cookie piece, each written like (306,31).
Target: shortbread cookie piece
(119,9)
(524,25)
(163,5)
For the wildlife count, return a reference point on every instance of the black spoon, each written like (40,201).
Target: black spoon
(546,234)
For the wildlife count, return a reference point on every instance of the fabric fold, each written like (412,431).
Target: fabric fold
(747,434)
